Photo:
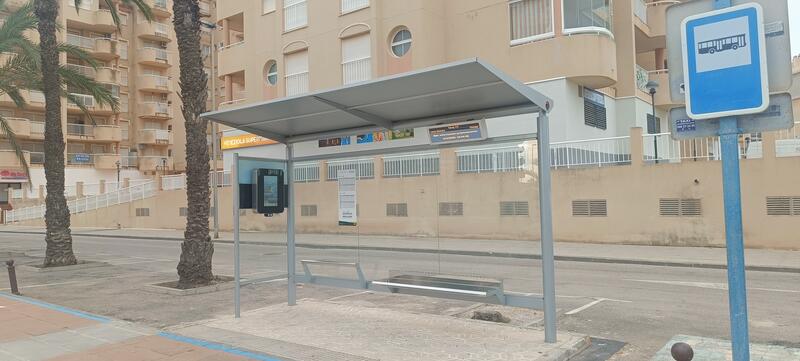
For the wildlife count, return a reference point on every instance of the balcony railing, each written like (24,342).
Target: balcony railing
(82,130)
(295,14)
(159,81)
(37,128)
(159,108)
(591,152)
(83,69)
(642,77)
(661,148)
(587,16)
(410,165)
(491,160)
(357,70)
(128,161)
(365,168)
(306,172)
(225,47)
(297,83)
(787,142)
(83,99)
(353,5)
(80,41)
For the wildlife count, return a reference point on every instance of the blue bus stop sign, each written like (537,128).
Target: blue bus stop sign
(724,61)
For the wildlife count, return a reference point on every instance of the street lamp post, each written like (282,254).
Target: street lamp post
(214,139)
(652,85)
(118,170)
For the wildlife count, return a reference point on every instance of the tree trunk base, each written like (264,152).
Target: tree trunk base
(59,251)
(194,268)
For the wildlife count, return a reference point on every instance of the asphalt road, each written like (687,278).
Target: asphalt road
(643,306)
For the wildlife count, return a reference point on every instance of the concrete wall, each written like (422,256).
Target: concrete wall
(632,193)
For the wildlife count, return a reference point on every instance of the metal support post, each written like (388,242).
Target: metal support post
(290,245)
(215,141)
(546,224)
(236,275)
(731,187)
(12,277)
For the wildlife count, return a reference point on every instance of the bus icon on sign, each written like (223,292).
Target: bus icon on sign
(727,43)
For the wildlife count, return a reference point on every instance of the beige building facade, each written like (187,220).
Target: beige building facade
(138,63)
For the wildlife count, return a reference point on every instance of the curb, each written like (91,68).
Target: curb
(639,262)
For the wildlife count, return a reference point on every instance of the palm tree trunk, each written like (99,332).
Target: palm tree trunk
(58,237)
(197,249)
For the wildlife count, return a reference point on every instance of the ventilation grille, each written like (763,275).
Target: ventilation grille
(514,208)
(308,210)
(783,206)
(677,207)
(396,209)
(143,212)
(590,208)
(451,209)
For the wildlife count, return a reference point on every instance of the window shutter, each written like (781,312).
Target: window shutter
(355,48)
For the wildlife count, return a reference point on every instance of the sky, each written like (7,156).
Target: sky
(794,25)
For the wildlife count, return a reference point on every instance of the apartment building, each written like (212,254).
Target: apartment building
(138,63)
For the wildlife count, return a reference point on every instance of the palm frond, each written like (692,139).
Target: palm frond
(5,129)
(79,53)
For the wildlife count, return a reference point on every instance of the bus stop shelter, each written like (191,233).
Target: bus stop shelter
(445,94)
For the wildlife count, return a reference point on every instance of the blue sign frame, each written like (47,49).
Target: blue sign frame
(726,73)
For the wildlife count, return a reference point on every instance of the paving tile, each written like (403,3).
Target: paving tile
(32,350)
(70,340)
(162,345)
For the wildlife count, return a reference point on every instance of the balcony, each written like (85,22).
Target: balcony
(89,103)
(9,159)
(20,126)
(229,58)
(99,161)
(101,75)
(154,83)
(154,57)
(97,133)
(155,137)
(34,99)
(97,20)
(101,48)
(238,98)
(657,17)
(663,98)
(155,110)
(155,163)
(153,31)
(160,8)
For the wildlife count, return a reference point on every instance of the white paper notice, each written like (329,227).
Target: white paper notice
(347,197)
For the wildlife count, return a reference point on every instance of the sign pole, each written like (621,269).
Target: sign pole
(237,280)
(732,197)
(737,294)
(290,231)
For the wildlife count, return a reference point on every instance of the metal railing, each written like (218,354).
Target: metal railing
(591,152)
(83,69)
(663,149)
(353,5)
(82,130)
(83,99)
(81,41)
(642,77)
(37,157)
(787,142)
(128,161)
(160,54)
(159,108)
(295,14)
(411,165)
(357,70)
(365,167)
(640,10)
(172,182)
(228,46)
(491,160)
(161,29)
(159,81)
(297,83)
(37,127)
(91,189)
(306,172)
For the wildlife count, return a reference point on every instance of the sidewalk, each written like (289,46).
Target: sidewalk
(756,259)
(34,331)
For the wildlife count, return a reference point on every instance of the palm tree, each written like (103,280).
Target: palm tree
(53,78)
(197,249)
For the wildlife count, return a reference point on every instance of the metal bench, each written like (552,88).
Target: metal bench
(309,277)
(446,286)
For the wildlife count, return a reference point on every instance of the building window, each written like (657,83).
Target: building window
(401,42)
(530,20)
(308,210)
(783,206)
(676,207)
(272,72)
(590,208)
(519,208)
(295,14)
(451,209)
(396,209)
(267,6)
(653,124)
(594,108)
(143,212)
(411,165)
(353,5)
(297,73)
(587,15)
(365,168)
(356,59)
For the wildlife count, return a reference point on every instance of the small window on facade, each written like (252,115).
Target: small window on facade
(590,208)
(396,209)
(514,208)
(143,212)
(272,73)
(308,210)
(451,209)
(653,124)
(401,42)
(594,108)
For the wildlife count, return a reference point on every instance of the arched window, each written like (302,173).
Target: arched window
(401,42)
